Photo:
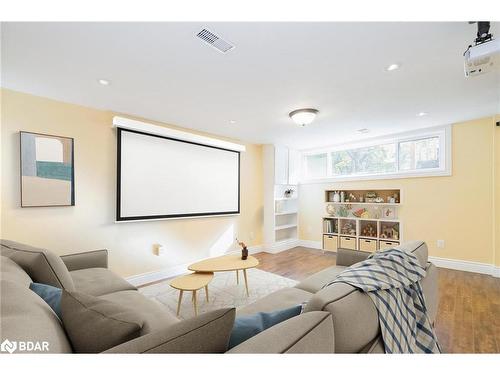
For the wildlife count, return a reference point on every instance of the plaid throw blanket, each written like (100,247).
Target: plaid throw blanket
(392,280)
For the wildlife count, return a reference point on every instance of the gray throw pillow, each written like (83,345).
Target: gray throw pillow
(94,325)
(205,333)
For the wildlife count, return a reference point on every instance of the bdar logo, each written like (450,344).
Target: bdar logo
(8,346)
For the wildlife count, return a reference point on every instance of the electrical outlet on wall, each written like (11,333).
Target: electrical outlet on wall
(440,244)
(160,250)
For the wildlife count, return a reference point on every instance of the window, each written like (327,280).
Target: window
(316,165)
(364,160)
(419,154)
(416,154)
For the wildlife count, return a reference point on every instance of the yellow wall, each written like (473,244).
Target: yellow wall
(458,209)
(90,223)
(497,191)
(463,209)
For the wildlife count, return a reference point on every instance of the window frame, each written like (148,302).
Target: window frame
(445,165)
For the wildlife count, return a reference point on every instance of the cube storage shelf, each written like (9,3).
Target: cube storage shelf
(362,233)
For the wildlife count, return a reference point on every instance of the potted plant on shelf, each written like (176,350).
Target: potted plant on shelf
(288,193)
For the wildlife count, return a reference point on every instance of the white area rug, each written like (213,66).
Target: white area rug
(222,290)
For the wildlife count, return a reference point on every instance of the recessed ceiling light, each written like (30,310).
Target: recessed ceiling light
(303,116)
(392,67)
(232,121)
(422,114)
(363,131)
(103,82)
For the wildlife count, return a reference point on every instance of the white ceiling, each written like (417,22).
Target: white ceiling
(161,71)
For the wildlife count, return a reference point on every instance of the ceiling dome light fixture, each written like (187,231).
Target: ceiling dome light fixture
(103,82)
(422,114)
(303,116)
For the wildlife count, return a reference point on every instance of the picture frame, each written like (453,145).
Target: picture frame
(47,172)
(388,212)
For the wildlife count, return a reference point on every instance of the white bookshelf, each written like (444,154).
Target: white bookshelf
(363,204)
(363,225)
(280,211)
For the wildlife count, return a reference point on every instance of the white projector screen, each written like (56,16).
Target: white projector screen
(161,178)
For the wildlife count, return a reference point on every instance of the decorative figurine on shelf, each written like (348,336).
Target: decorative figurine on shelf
(336,197)
(244,250)
(342,196)
(360,212)
(342,211)
(288,193)
(395,233)
(386,232)
(352,198)
(369,231)
(370,197)
(348,228)
(330,209)
(379,200)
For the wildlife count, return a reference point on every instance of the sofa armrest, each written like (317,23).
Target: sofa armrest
(346,257)
(89,259)
(306,333)
(206,333)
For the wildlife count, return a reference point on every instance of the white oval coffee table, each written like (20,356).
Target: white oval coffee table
(225,263)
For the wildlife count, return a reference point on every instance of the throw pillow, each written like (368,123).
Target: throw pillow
(94,325)
(50,294)
(248,326)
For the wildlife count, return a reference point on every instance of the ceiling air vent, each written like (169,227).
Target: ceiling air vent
(215,41)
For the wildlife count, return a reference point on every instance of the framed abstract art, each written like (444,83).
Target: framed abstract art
(47,170)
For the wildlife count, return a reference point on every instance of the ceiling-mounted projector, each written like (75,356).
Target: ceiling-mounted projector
(484,55)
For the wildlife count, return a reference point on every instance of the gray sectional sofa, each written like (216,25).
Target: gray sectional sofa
(337,319)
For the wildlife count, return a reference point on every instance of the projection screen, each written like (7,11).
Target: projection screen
(161,178)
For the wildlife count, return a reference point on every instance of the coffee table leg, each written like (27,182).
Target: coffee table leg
(237,277)
(246,281)
(206,292)
(179,303)
(194,303)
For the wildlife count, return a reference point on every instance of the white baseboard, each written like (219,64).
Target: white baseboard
(465,265)
(166,273)
(280,246)
(150,277)
(310,244)
(496,271)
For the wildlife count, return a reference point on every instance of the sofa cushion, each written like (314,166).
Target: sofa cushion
(99,281)
(281,299)
(417,248)
(50,294)
(155,315)
(94,325)
(247,326)
(306,333)
(355,318)
(41,265)
(319,280)
(205,333)
(24,316)
(11,271)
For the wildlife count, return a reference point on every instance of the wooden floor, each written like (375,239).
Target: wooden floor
(468,319)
